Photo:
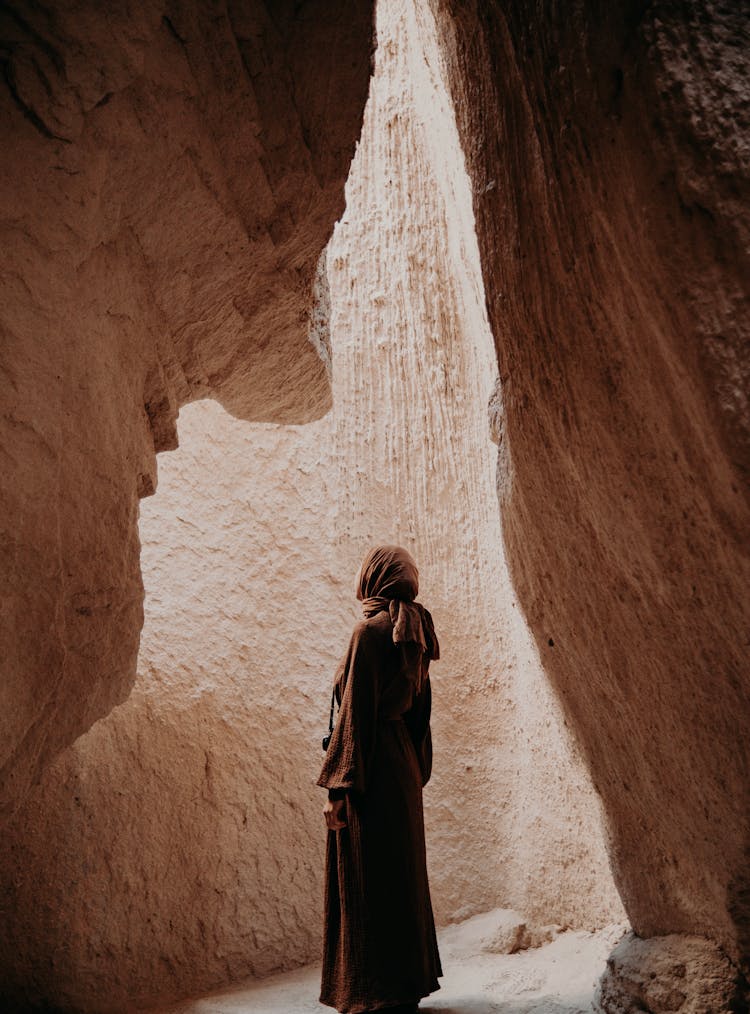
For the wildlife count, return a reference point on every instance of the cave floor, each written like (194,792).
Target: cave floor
(556,978)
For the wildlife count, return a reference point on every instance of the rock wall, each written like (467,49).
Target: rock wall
(171,174)
(676,972)
(607,148)
(179,843)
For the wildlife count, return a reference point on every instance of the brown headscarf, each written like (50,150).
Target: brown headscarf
(389,581)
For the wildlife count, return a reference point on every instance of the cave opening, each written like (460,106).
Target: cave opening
(194,817)
(172,175)
(250,549)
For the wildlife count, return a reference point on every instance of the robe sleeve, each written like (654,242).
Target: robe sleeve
(349,755)
(418,723)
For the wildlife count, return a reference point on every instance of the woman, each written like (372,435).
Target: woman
(380,950)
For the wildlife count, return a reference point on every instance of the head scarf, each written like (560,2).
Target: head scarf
(389,581)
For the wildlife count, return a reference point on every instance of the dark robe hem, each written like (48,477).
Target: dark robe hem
(379,1004)
(380,947)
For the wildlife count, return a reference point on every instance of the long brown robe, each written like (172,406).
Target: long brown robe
(380,947)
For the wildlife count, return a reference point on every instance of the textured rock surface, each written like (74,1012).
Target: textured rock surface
(179,843)
(668,975)
(607,147)
(171,173)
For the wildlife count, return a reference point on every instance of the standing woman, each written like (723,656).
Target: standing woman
(380,949)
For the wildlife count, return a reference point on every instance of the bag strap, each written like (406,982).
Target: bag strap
(330,716)
(327,739)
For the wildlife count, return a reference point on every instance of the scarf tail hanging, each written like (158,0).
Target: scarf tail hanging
(389,582)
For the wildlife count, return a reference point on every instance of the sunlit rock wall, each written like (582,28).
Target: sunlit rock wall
(170,175)
(607,147)
(511,820)
(185,827)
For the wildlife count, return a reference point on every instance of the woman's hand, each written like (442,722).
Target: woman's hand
(333,812)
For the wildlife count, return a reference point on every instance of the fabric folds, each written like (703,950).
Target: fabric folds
(380,946)
(389,580)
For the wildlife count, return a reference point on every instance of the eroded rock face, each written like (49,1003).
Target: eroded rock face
(607,147)
(179,844)
(170,176)
(674,974)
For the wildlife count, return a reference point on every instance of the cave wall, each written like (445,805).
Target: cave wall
(171,178)
(607,148)
(179,844)
(171,173)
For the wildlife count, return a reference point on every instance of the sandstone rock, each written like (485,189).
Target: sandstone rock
(170,176)
(178,845)
(538,936)
(506,936)
(668,975)
(498,931)
(607,148)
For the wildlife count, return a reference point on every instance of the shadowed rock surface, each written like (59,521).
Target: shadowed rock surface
(607,146)
(250,548)
(171,174)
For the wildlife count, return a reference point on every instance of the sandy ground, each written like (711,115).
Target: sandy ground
(556,978)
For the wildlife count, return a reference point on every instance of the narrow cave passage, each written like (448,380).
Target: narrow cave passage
(195,802)
(250,550)
(173,173)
